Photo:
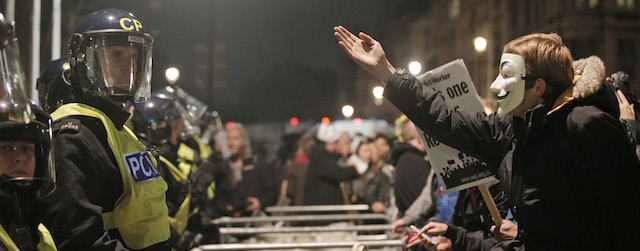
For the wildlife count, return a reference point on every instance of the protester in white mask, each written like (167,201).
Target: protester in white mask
(556,145)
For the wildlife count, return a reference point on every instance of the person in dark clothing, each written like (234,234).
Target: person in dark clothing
(246,184)
(567,169)
(26,168)
(112,196)
(25,174)
(161,123)
(324,174)
(412,168)
(470,227)
(412,176)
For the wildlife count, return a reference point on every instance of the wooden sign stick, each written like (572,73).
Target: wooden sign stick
(488,200)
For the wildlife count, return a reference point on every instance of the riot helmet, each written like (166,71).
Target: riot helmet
(28,143)
(14,105)
(159,117)
(53,85)
(194,107)
(192,110)
(111,57)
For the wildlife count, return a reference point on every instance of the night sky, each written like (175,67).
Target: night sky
(260,36)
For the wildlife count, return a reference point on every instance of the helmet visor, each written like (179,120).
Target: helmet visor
(119,65)
(14,105)
(194,107)
(27,156)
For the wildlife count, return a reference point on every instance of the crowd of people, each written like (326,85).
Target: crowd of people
(106,163)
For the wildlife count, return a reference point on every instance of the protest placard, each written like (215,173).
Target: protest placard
(456,170)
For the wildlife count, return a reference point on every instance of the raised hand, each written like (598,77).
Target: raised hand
(366,52)
(626,109)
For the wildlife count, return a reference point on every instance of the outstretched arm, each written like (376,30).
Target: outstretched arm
(366,52)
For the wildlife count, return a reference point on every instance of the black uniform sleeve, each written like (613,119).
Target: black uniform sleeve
(485,137)
(84,177)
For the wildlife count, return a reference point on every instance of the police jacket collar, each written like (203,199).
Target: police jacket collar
(117,114)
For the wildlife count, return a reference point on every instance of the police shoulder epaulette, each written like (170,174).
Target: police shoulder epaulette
(67,124)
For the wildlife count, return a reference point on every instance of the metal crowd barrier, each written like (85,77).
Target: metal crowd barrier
(307,245)
(317,208)
(268,230)
(321,217)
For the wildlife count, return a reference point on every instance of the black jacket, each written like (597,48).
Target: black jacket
(20,221)
(258,180)
(569,175)
(88,182)
(411,174)
(322,186)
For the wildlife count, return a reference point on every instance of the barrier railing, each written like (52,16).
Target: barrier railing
(306,245)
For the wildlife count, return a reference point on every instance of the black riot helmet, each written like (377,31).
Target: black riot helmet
(53,85)
(37,131)
(111,57)
(155,119)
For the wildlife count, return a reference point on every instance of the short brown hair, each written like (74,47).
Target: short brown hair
(545,57)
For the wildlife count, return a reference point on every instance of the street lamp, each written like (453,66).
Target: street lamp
(415,67)
(377,94)
(347,111)
(480,44)
(378,91)
(172,74)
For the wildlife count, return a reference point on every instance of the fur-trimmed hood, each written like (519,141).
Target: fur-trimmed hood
(590,87)
(589,73)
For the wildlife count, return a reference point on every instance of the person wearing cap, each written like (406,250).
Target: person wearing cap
(324,174)
(112,196)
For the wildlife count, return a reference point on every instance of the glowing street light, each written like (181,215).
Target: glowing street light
(480,44)
(172,74)
(378,91)
(415,67)
(347,111)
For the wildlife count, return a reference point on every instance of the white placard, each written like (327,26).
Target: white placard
(456,170)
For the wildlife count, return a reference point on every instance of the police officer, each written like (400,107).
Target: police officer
(164,124)
(112,196)
(53,87)
(26,171)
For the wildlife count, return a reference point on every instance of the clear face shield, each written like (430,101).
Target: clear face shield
(192,109)
(119,65)
(14,105)
(187,126)
(27,158)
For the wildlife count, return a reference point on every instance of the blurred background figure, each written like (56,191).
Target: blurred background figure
(247,184)
(296,171)
(414,177)
(324,174)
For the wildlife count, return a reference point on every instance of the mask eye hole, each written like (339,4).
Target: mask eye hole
(507,70)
